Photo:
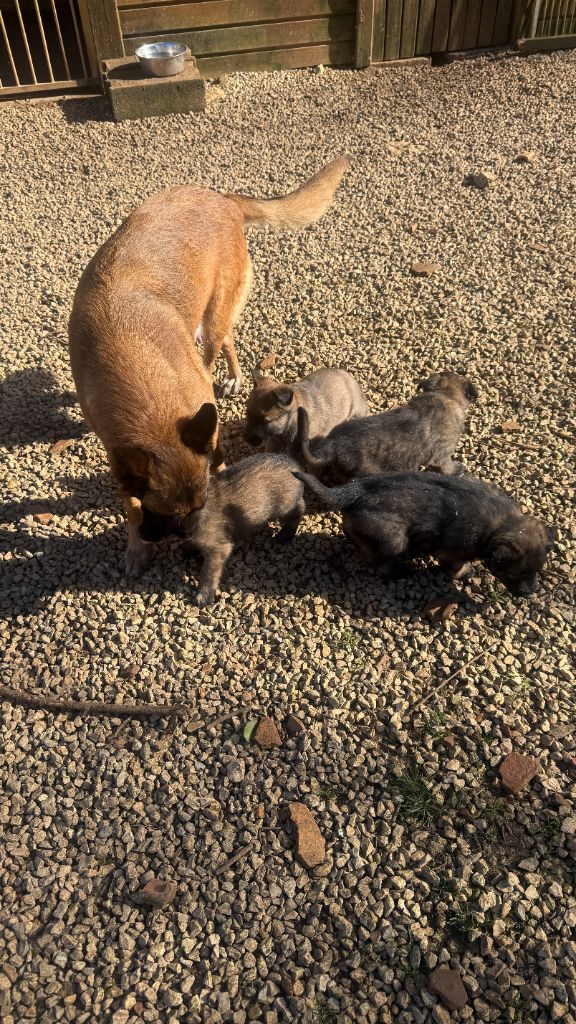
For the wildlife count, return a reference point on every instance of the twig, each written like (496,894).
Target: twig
(196,726)
(90,707)
(239,855)
(440,686)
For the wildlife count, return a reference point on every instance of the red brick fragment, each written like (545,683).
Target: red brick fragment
(517,770)
(266,734)
(310,845)
(294,725)
(157,893)
(447,985)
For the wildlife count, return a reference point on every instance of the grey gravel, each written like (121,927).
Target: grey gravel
(428,863)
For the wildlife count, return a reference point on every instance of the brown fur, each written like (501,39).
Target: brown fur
(177,267)
(330,396)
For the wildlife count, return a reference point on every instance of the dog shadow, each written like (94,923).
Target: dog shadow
(34,408)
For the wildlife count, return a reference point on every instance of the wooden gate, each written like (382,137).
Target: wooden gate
(403,29)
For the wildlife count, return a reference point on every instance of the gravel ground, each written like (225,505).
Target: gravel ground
(428,862)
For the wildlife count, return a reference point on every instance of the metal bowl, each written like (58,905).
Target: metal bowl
(162,59)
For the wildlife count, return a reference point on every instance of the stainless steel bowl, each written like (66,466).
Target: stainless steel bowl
(161,59)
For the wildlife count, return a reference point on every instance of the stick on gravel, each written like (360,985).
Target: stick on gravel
(426,696)
(91,707)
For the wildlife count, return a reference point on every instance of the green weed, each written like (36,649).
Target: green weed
(419,803)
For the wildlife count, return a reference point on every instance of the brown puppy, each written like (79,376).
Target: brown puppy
(240,501)
(456,519)
(328,396)
(177,268)
(421,434)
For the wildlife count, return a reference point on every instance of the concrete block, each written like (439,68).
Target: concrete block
(134,95)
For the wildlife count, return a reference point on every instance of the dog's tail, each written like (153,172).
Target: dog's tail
(299,208)
(332,497)
(302,444)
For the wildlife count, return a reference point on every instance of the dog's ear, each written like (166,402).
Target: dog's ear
(283,396)
(257,374)
(470,391)
(131,466)
(197,432)
(504,551)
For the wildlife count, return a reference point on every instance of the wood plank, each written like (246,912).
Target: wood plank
(247,38)
(278,60)
(457,22)
(106,30)
(472,25)
(441,26)
(409,28)
(216,13)
(393,29)
(487,21)
(10,91)
(502,23)
(364,29)
(379,31)
(425,27)
(549,43)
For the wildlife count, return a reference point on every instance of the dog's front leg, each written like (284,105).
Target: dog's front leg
(138,551)
(233,385)
(214,561)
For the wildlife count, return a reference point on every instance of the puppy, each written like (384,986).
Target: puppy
(423,433)
(328,396)
(240,501)
(456,519)
(176,269)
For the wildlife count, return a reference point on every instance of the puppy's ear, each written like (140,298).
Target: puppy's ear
(283,396)
(197,432)
(504,551)
(132,466)
(470,391)
(257,374)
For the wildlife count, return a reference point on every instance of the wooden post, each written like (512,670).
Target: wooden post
(106,29)
(364,32)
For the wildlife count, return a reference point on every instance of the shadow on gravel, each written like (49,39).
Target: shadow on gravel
(33,408)
(314,564)
(93,108)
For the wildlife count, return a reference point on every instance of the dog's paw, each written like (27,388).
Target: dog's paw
(229,388)
(137,558)
(204,597)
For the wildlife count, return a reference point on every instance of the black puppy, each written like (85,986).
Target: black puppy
(421,434)
(457,519)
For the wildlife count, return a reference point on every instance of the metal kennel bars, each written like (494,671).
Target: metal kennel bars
(44,46)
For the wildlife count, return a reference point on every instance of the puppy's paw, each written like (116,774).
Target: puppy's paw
(458,469)
(229,388)
(204,597)
(137,558)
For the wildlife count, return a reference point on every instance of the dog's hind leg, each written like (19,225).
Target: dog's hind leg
(291,522)
(220,319)
(139,551)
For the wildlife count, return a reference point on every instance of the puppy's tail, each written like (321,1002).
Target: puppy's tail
(299,208)
(332,497)
(302,444)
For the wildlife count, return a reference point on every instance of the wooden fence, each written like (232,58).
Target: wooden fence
(247,35)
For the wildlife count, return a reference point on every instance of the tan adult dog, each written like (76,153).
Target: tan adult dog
(175,271)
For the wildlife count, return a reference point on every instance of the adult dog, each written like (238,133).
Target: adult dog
(176,270)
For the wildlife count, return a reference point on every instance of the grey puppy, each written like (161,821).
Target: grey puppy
(240,501)
(457,519)
(421,434)
(329,396)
